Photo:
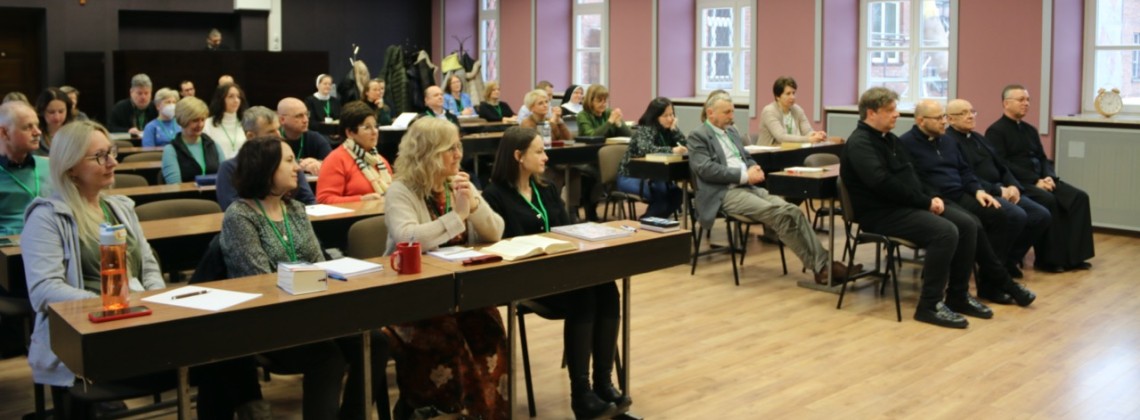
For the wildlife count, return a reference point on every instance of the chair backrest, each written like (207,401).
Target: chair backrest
(213,264)
(845,200)
(179,207)
(143,157)
(367,238)
(130,180)
(609,158)
(816,160)
(124,143)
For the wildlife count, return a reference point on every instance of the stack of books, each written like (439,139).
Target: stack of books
(657,224)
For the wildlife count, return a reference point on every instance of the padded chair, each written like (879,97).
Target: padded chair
(737,229)
(130,180)
(857,236)
(367,238)
(179,207)
(817,160)
(609,158)
(143,157)
(124,143)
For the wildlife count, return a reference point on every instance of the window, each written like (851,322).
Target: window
(590,41)
(1112,51)
(489,38)
(906,47)
(724,43)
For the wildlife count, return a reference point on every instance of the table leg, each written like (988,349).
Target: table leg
(625,352)
(184,393)
(685,207)
(366,365)
(512,309)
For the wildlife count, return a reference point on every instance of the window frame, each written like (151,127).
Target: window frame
(738,50)
(914,51)
(486,14)
(578,9)
(1088,68)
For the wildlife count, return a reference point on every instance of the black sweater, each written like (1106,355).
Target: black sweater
(988,169)
(880,175)
(940,164)
(124,115)
(491,113)
(518,217)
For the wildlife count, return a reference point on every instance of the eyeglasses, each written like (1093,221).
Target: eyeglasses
(935,117)
(103,158)
(455,148)
(1023,99)
(964,113)
(365,127)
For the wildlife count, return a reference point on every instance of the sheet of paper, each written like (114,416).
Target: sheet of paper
(204,298)
(317,210)
(349,266)
(455,253)
(758,148)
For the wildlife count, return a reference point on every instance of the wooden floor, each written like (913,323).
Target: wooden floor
(704,348)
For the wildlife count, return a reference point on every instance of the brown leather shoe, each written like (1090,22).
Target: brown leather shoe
(838,273)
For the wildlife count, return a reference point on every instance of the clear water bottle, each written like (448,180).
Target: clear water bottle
(544,131)
(114,289)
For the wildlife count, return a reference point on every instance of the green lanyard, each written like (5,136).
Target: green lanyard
(447,201)
(290,247)
(458,104)
(499,110)
(729,144)
(300,148)
(35,175)
(233,144)
(328,113)
(140,119)
(429,111)
(200,164)
(106,212)
(541,209)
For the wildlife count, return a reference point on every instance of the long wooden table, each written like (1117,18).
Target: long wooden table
(180,242)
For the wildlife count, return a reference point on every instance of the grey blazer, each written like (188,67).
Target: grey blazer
(710,171)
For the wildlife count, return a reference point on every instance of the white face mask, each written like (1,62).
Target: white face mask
(168,111)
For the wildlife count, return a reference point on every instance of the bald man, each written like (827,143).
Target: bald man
(310,147)
(943,169)
(23,176)
(1068,243)
(997,180)
(433,100)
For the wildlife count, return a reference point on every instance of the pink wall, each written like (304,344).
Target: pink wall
(462,21)
(515,51)
(630,37)
(676,48)
(784,55)
(555,39)
(840,53)
(1068,33)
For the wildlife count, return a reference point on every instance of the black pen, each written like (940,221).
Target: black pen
(191,294)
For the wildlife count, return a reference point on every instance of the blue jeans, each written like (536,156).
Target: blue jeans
(664,197)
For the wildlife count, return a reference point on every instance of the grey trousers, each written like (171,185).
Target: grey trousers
(786,219)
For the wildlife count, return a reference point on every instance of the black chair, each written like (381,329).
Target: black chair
(817,160)
(857,236)
(737,229)
(609,159)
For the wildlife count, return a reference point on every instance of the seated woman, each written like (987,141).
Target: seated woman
(455,99)
(782,121)
(162,130)
(192,152)
(494,109)
(539,104)
(374,97)
(598,120)
(322,105)
(224,123)
(261,229)
(657,132)
(433,203)
(529,205)
(355,171)
(54,108)
(572,100)
(62,260)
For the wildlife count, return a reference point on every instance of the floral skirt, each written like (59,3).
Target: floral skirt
(455,364)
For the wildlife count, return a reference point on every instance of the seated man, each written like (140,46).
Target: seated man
(997,180)
(943,169)
(257,121)
(131,115)
(726,175)
(433,100)
(310,147)
(23,176)
(887,198)
(1068,243)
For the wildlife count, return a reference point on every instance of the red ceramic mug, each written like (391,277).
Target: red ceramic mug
(406,259)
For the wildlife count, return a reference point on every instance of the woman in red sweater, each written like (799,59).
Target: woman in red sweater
(355,171)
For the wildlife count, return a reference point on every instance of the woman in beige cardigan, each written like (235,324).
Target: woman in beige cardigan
(454,363)
(783,121)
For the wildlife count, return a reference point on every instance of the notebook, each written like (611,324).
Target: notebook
(455,253)
(348,267)
(591,231)
(521,247)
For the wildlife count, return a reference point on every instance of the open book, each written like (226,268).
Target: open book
(521,247)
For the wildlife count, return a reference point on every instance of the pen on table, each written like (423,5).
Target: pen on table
(186,295)
(629,228)
(337,277)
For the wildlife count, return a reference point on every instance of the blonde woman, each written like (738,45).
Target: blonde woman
(494,109)
(192,152)
(434,203)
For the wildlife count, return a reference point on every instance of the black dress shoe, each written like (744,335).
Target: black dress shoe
(1020,293)
(995,296)
(1084,265)
(588,405)
(608,393)
(1048,268)
(941,316)
(969,306)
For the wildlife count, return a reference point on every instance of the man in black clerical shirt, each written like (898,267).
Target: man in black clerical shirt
(941,166)
(888,198)
(131,115)
(997,180)
(1068,243)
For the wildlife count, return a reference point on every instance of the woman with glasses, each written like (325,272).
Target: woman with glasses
(782,121)
(355,171)
(192,152)
(62,260)
(453,364)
